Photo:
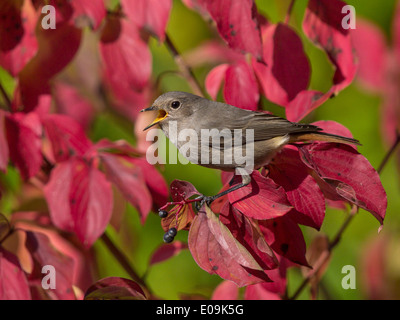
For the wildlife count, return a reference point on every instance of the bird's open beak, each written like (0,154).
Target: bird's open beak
(162,114)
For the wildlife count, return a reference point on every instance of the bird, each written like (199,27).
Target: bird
(231,131)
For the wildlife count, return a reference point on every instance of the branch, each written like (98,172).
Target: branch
(289,12)
(325,255)
(389,153)
(5,97)
(123,261)
(186,71)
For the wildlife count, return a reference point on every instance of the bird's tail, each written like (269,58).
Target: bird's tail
(321,136)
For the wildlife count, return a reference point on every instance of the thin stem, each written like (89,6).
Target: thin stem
(186,71)
(289,12)
(5,97)
(389,153)
(325,255)
(123,261)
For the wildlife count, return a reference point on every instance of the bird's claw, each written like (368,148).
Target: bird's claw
(203,200)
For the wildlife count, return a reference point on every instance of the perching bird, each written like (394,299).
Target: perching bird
(183,116)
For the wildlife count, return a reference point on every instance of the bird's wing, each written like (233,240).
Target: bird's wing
(265,126)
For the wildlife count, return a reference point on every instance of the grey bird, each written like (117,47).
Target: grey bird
(187,113)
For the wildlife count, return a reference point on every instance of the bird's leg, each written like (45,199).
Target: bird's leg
(204,199)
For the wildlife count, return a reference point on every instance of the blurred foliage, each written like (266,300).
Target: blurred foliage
(356,109)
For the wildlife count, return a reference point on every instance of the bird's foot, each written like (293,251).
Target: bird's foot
(203,200)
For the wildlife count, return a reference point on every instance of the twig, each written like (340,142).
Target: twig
(5,97)
(186,71)
(389,153)
(123,261)
(289,12)
(323,258)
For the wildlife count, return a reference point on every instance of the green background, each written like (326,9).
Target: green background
(356,109)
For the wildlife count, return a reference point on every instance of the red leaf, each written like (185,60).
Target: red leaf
(241,88)
(215,78)
(216,251)
(285,238)
(115,288)
(182,190)
(322,24)
(167,251)
(79,199)
(286,71)
(57,47)
(151,15)
(305,102)
(126,56)
(66,136)
(69,101)
(128,178)
(154,180)
(88,12)
(370,45)
(14,285)
(302,190)
(18,43)
(339,162)
(261,199)
(237,24)
(258,292)
(249,235)
(226,290)
(24,142)
(43,253)
(4,153)
(127,65)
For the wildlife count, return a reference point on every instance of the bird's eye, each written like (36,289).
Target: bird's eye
(175,104)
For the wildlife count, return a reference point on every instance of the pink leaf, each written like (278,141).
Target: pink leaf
(167,251)
(4,153)
(69,101)
(24,142)
(226,290)
(115,288)
(43,253)
(88,12)
(241,88)
(214,79)
(261,199)
(246,231)
(237,24)
(17,33)
(154,180)
(285,238)
(128,178)
(305,102)
(338,162)
(57,47)
(126,57)
(370,45)
(66,136)
(182,190)
(216,251)
(286,71)
(79,199)
(302,190)
(258,292)
(151,15)
(14,285)
(322,24)
(127,65)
